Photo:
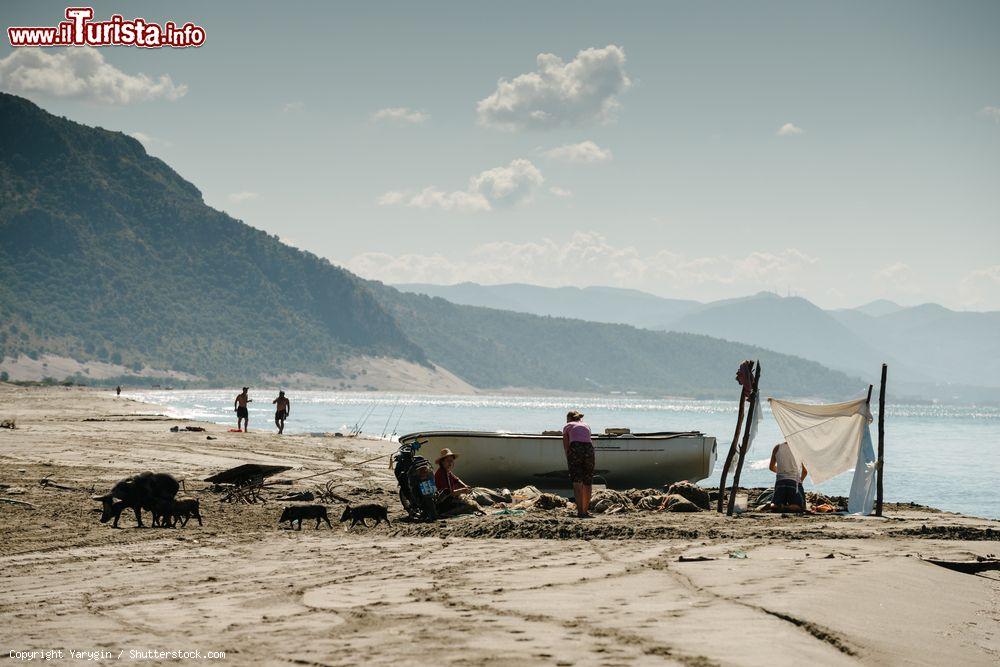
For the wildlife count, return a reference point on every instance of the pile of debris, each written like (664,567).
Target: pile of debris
(679,497)
(530,498)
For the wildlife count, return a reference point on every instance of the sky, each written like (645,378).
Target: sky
(843,152)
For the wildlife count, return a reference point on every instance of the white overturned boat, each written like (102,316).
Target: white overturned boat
(624,461)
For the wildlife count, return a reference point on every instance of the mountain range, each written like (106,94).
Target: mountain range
(933,351)
(111,260)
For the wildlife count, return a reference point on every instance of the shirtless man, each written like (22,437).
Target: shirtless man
(281,411)
(242,415)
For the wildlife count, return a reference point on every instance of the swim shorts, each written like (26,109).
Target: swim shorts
(241,412)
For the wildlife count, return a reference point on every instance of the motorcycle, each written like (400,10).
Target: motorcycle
(415,477)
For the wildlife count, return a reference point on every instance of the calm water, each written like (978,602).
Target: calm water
(944,456)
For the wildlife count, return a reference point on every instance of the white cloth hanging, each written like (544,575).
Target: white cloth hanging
(829,440)
(825,438)
(862,496)
(758,417)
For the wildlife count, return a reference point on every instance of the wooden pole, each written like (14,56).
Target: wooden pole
(881,443)
(731,454)
(746,441)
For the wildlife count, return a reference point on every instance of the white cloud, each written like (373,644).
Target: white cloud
(587,258)
(990,113)
(560,192)
(980,289)
(392,198)
(293,107)
(789,130)
(586,89)
(239,197)
(81,73)
(494,188)
(460,201)
(585,152)
(149,142)
(400,115)
(897,273)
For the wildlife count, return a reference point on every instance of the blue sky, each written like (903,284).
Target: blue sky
(646,151)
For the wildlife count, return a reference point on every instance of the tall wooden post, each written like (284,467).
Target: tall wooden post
(881,443)
(731,454)
(745,445)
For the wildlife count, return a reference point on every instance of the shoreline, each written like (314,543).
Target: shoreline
(531,589)
(323,412)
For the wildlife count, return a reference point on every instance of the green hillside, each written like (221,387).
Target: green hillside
(106,253)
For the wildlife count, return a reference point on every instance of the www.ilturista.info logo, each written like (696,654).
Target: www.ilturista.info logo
(80,30)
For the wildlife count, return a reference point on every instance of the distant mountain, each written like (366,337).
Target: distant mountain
(106,254)
(879,307)
(943,345)
(790,324)
(496,348)
(933,351)
(596,304)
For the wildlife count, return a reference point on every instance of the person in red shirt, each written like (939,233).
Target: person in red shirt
(445,479)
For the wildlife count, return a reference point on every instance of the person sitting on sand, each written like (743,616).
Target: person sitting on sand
(454,496)
(789,496)
(579,450)
(282,409)
(450,487)
(445,479)
(242,414)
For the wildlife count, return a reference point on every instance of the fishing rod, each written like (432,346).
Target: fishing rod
(385,429)
(395,429)
(364,416)
(371,411)
(365,421)
(358,421)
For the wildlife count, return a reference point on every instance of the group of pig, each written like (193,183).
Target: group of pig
(157,493)
(154,492)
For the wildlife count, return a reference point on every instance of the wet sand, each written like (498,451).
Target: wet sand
(542,588)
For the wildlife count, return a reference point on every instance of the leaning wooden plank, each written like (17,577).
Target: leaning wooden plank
(967,566)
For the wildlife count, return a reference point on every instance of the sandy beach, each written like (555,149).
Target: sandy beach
(541,588)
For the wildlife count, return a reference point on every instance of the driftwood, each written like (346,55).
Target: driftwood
(19,503)
(49,484)
(731,454)
(746,441)
(326,493)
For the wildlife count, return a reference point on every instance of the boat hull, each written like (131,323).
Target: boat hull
(514,460)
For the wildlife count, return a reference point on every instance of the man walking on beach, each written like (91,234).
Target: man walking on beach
(282,408)
(242,414)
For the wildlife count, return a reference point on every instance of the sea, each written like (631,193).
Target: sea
(945,456)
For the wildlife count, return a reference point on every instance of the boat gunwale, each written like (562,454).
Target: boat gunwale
(661,435)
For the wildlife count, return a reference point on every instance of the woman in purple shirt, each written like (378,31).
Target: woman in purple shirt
(579,450)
